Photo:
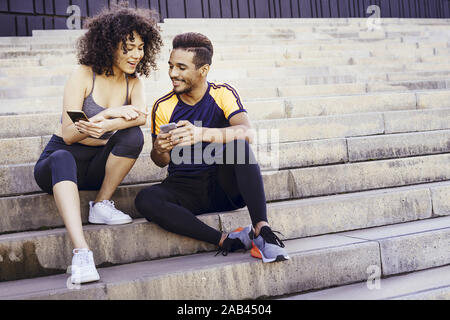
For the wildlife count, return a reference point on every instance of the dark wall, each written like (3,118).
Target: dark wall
(19,17)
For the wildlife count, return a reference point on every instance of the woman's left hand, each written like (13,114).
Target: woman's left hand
(96,127)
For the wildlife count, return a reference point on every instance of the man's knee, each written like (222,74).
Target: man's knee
(149,202)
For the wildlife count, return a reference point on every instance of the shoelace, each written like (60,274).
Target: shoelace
(83,258)
(270,237)
(229,245)
(110,204)
(223,251)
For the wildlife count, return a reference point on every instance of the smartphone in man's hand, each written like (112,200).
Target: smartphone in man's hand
(166,128)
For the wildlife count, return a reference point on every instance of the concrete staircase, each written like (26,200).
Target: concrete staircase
(360,187)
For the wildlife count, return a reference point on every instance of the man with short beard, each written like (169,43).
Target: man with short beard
(210,118)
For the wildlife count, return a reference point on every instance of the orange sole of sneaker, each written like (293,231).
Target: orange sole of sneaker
(255,253)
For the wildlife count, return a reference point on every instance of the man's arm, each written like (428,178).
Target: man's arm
(187,134)
(160,153)
(240,129)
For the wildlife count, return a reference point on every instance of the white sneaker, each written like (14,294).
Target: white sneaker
(104,212)
(83,267)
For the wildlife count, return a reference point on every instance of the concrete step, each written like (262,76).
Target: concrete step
(430,284)
(215,32)
(255,68)
(20,211)
(244,39)
(266,59)
(289,130)
(201,276)
(271,32)
(352,177)
(153,90)
(359,124)
(289,107)
(284,27)
(18,178)
(437,39)
(278,146)
(344,69)
(292,50)
(285,57)
(160,81)
(222,47)
(373,102)
(311,40)
(245,33)
(251,68)
(25,149)
(398,145)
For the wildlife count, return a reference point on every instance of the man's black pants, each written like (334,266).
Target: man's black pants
(174,203)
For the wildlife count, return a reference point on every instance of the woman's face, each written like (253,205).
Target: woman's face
(127,62)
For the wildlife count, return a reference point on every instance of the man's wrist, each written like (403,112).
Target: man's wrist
(212,135)
(205,135)
(158,153)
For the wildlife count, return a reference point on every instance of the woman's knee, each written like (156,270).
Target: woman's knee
(61,157)
(58,166)
(129,142)
(131,136)
(63,166)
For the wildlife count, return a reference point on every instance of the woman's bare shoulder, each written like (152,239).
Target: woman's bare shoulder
(80,79)
(82,72)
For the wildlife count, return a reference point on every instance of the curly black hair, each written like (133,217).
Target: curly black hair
(96,48)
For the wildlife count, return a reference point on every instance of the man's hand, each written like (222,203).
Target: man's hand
(185,134)
(95,127)
(162,143)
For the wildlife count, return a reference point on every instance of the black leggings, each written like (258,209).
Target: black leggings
(84,165)
(174,203)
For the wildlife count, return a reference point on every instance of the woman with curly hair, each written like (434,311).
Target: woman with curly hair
(97,154)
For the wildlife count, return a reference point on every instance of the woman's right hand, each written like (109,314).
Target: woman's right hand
(128,112)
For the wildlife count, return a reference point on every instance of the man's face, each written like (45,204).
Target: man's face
(182,71)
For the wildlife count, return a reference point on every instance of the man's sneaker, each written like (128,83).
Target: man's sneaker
(83,267)
(104,212)
(237,240)
(245,235)
(268,247)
